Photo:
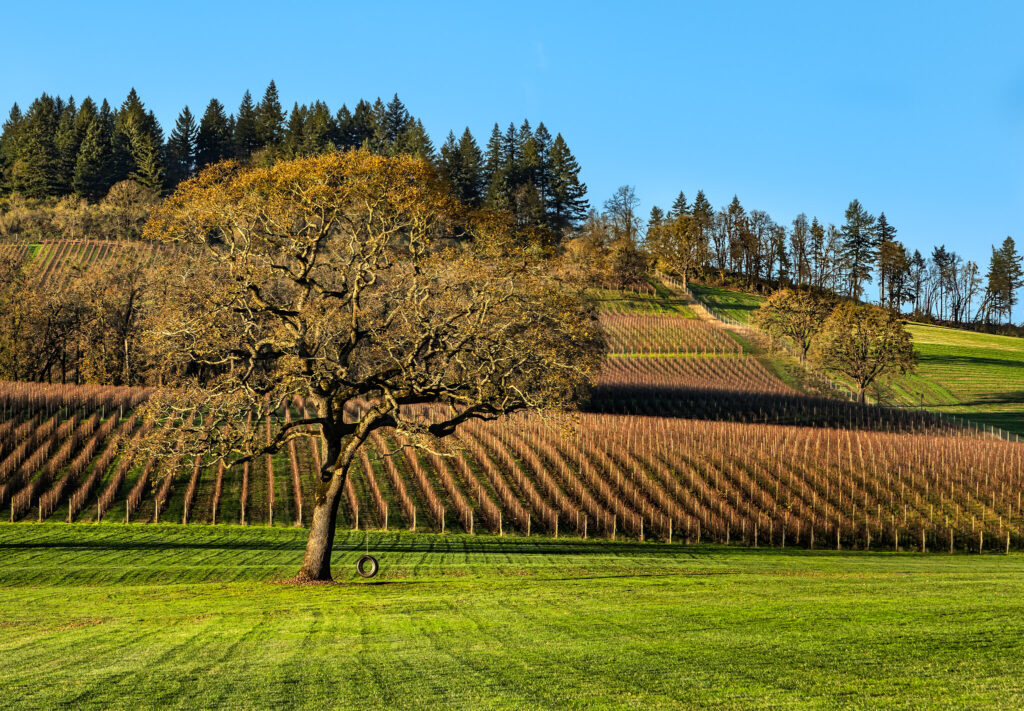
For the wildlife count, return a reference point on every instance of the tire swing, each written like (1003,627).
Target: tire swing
(367,566)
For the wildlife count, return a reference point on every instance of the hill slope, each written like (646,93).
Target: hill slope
(974,375)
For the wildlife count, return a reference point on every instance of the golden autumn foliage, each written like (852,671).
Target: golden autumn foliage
(357,283)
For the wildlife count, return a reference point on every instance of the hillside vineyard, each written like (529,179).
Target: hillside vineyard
(687,440)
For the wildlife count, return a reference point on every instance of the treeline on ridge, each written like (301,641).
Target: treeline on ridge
(63,165)
(749,250)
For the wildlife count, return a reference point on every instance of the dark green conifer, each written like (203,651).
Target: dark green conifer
(214,139)
(679,207)
(181,148)
(567,204)
(269,118)
(35,171)
(246,134)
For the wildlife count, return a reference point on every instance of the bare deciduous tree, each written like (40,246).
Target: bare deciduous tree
(334,279)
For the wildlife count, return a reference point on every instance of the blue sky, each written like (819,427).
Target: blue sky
(916,109)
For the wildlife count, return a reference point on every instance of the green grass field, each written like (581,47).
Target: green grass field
(147,616)
(974,375)
(977,375)
(737,305)
(663,302)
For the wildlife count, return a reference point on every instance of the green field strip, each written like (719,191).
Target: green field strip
(737,305)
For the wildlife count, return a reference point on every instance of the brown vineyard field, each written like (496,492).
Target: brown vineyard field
(922,485)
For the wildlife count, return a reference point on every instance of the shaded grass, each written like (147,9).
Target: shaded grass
(663,301)
(168,616)
(737,305)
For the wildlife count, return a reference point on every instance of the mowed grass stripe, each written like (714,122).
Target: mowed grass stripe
(481,622)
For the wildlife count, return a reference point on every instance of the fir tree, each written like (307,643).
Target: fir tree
(35,171)
(510,145)
(567,205)
(214,140)
(181,148)
(495,173)
(9,144)
(414,141)
(1005,276)
(859,247)
(656,219)
(92,175)
(269,118)
(363,127)
(67,141)
(543,179)
(294,131)
(246,134)
(679,207)
(460,162)
(318,130)
(884,235)
(395,123)
(471,173)
(343,137)
(379,138)
(138,144)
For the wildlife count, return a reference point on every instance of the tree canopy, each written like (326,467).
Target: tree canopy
(863,342)
(334,279)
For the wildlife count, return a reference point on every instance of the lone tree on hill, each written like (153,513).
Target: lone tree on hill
(679,242)
(334,279)
(863,342)
(797,315)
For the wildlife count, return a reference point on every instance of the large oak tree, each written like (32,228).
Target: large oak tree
(863,342)
(352,282)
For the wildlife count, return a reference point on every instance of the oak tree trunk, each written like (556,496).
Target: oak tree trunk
(316,564)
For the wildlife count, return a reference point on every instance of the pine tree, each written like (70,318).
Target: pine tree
(269,118)
(343,135)
(495,174)
(67,140)
(319,129)
(885,234)
(395,124)
(294,131)
(92,175)
(462,164)
(656,219)
(567,205)
(679,206)
(246,134)
(138,144)
(9,144)
(214,139)
(36,169)
(859,247)
(364,125)
(181,148)
(414,141)
(1005,276)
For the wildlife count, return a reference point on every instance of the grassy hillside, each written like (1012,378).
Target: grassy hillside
(660,302)
(977,375)
(974,375)
(736,305)
(173,617)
